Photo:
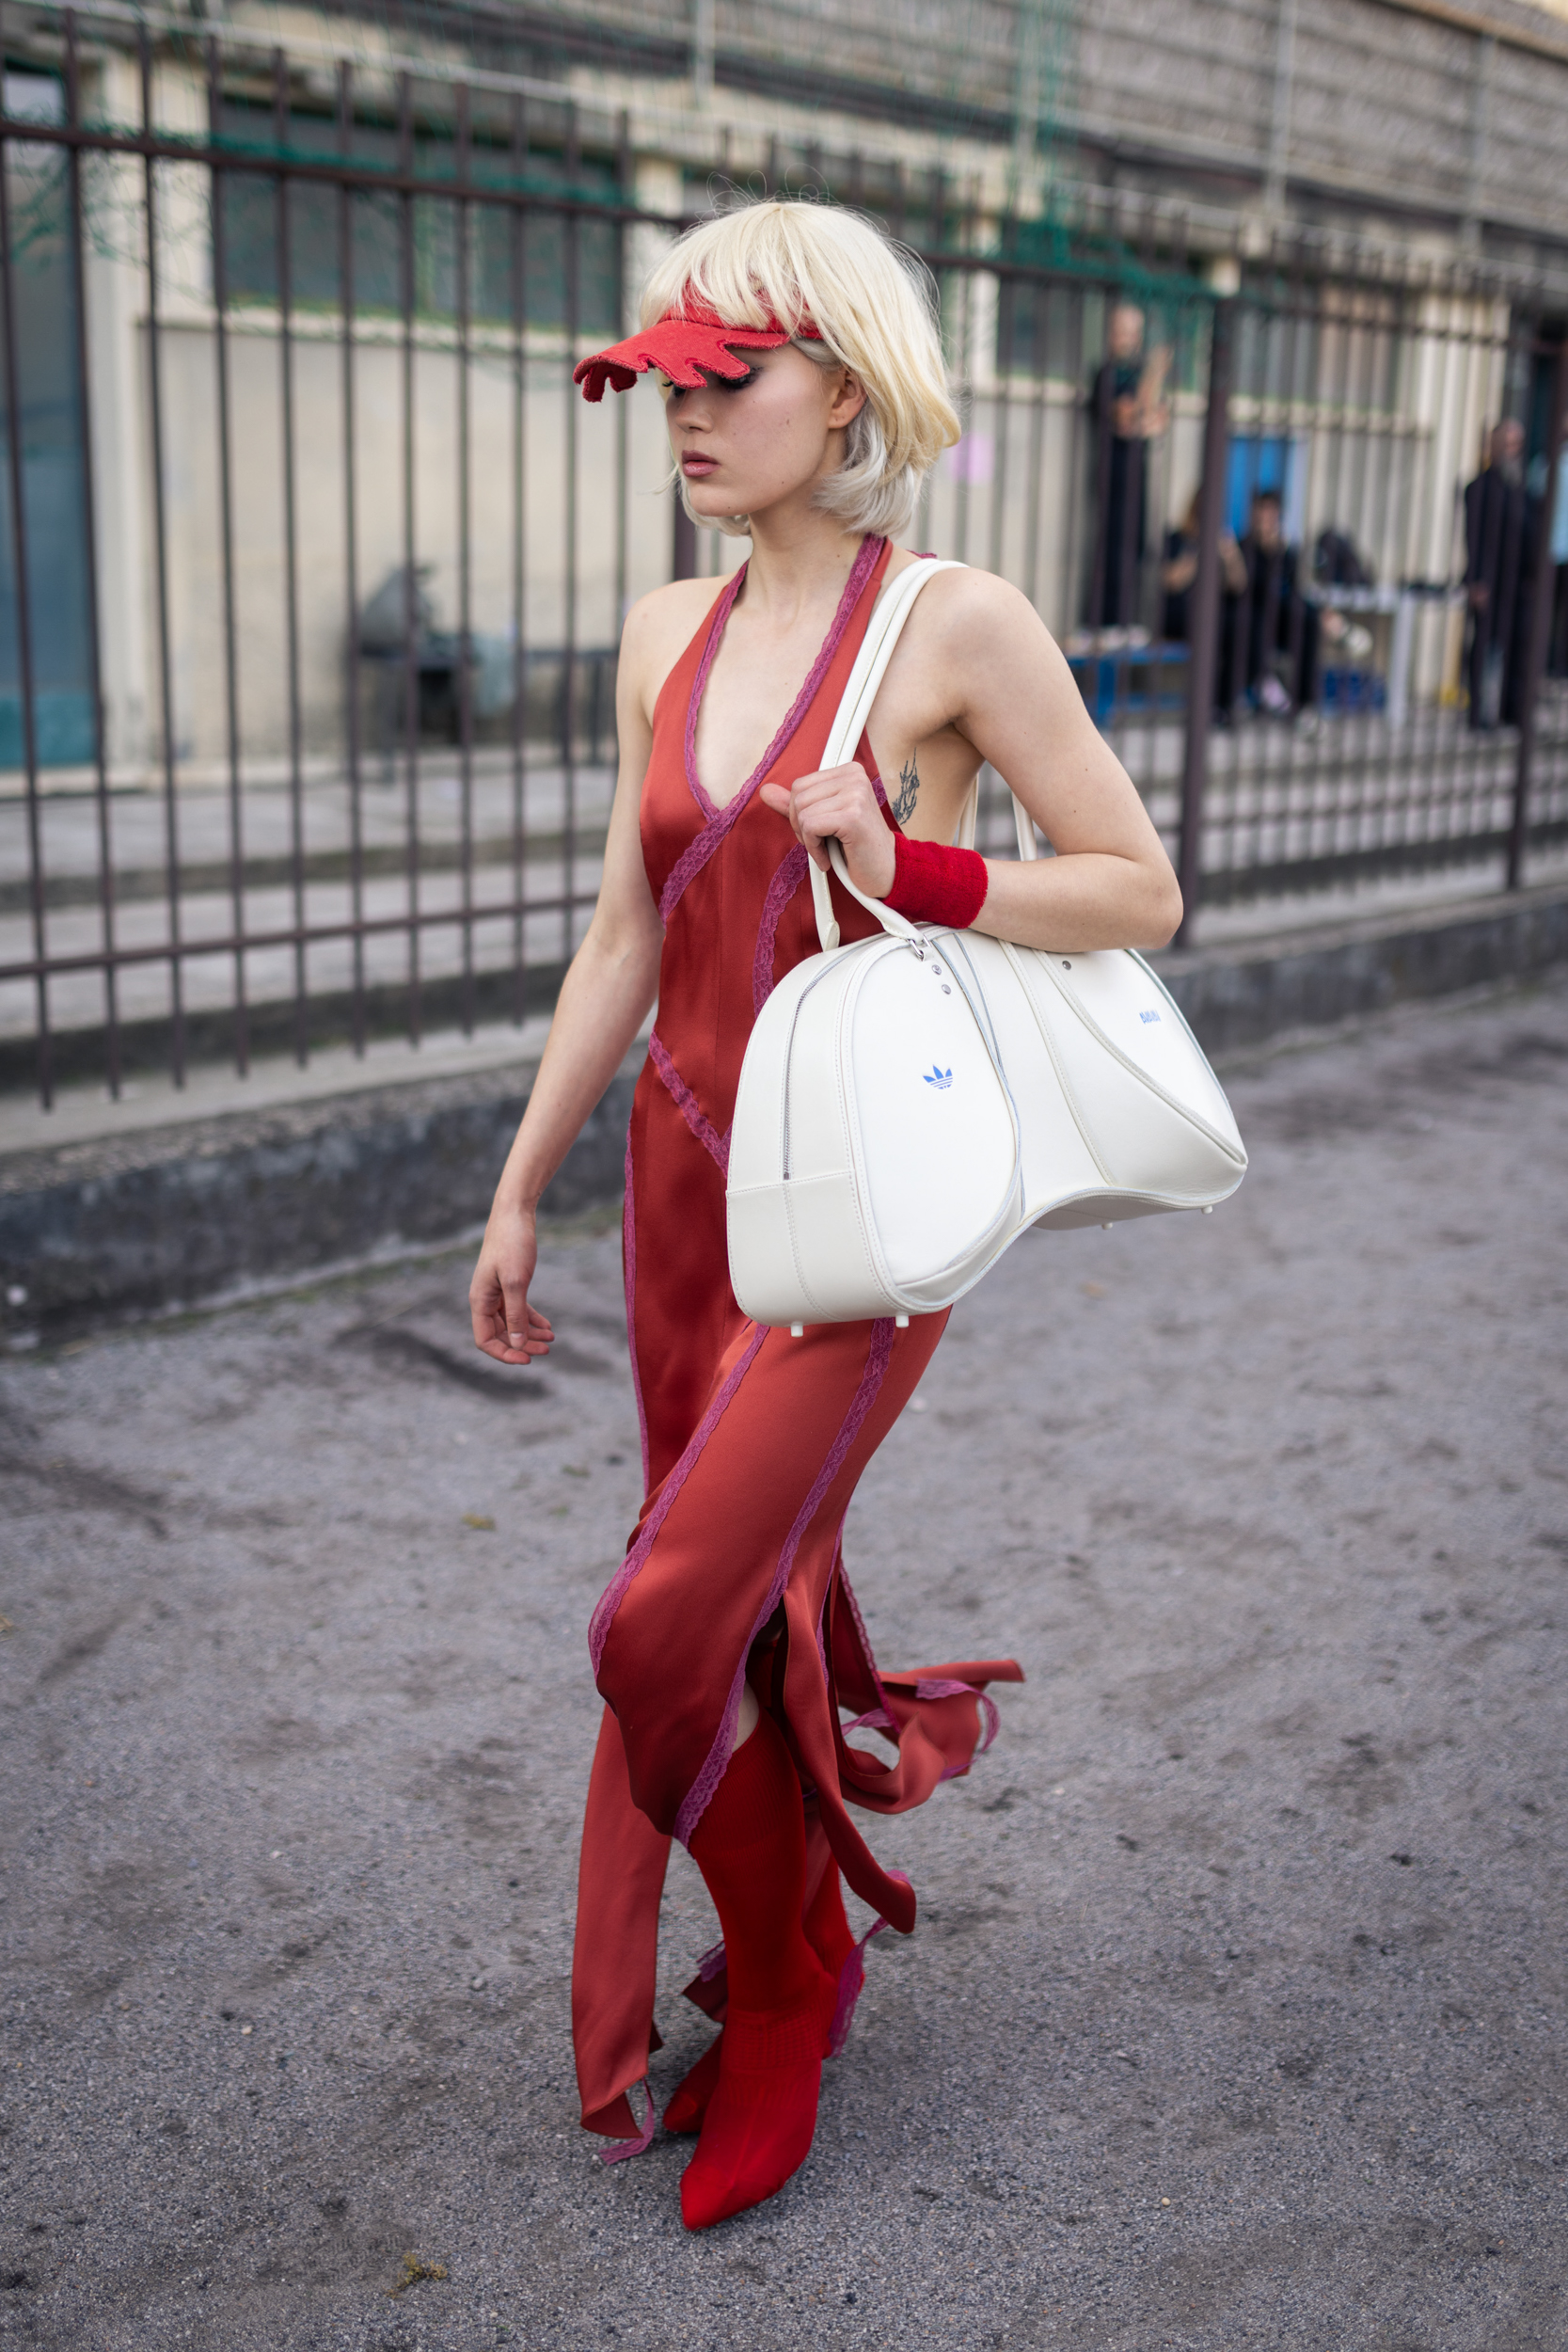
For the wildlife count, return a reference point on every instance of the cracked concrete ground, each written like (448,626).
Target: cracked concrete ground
(1234,2012)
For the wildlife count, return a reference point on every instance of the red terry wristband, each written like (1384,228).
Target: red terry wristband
(931,884)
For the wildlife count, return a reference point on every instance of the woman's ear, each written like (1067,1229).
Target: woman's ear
(847,400)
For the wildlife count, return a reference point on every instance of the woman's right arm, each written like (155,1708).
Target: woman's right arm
(610,985)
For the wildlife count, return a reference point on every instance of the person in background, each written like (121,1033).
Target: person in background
(1497,533)
(1280,618)
(1557,556)
(1129,411)
(1178,577)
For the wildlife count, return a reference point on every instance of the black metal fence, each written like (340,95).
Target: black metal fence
(311,569)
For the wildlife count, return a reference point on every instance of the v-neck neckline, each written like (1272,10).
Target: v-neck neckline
(869,555)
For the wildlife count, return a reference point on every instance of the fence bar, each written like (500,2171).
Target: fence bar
(160,540)
(90,535)
(225,530)
(462,223)
(1001,362)
(290,557)
(683,540)
(1540,621)
(1037,307)
(282,935)
(623,413)
(351,568)
(1204,609)
(369,178)
(569,596)
(517,233)
(24,632)
(411,623)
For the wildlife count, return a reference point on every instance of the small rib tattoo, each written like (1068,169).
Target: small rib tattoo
(909,790)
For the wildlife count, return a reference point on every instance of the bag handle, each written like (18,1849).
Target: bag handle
(889,613)
(885,628)
(1024,825)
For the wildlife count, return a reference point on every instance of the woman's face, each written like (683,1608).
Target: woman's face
(742,447)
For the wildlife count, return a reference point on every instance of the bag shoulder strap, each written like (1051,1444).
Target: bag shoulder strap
(891,608)
(1024,825)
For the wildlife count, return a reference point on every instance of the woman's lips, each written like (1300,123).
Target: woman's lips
(693,466)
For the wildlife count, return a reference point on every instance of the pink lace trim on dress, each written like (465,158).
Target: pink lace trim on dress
(851,1980)
(615,1591)
(848,1592)
(645,2141)
(946,1690)
(701,1792)
(722,612)
(791,873)
(629,1261)
(687,1103)
(698,852)
(943,1689)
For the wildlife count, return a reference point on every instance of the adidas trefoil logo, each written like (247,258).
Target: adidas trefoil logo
(939,1078)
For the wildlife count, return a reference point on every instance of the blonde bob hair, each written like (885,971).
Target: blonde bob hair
(874,306)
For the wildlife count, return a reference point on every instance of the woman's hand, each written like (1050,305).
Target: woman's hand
(505,1325)
(839,803)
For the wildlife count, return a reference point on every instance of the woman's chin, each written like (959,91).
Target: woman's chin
(708,503)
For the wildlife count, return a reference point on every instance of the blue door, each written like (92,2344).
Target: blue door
(43,297)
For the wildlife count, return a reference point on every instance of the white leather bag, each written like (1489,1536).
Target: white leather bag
(912,1103)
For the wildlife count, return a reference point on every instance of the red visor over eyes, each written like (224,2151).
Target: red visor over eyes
(685,350)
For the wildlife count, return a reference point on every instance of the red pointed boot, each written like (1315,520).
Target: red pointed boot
(831,1937)
(751,1849)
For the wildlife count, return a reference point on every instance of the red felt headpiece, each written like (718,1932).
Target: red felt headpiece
(684,349)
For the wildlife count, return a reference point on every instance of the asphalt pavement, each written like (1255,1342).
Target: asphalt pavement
(1234,2012)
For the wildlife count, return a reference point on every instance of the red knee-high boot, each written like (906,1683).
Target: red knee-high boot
(751,1849)
(828,1933)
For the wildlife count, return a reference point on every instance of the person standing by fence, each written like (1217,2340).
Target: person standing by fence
(1497,533)
(1557,556)
(1129,411)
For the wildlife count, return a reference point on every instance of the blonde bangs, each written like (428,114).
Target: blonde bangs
(874,308)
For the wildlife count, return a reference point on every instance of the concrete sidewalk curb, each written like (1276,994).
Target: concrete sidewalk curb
(179,1215)
(1249,993)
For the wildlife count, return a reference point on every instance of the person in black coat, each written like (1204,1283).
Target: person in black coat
(1280,618)
(1129,411)
(1497,566)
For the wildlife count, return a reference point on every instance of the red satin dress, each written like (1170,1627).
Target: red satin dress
(753,1441)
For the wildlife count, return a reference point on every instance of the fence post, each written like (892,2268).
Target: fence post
(1540,622)
(683,551)
(1203,629)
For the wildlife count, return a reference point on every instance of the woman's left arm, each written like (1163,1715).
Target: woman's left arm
(1010,693)
(978,667)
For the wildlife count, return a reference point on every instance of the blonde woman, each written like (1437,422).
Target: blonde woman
(805,401)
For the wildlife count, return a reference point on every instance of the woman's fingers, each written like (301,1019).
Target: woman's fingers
(514,1283)
(505,1325)
(511,1339)
(838,803)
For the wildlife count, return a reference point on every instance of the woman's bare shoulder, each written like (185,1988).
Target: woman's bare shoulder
(659,627)
(968,594)
(966,611)
(676,610)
